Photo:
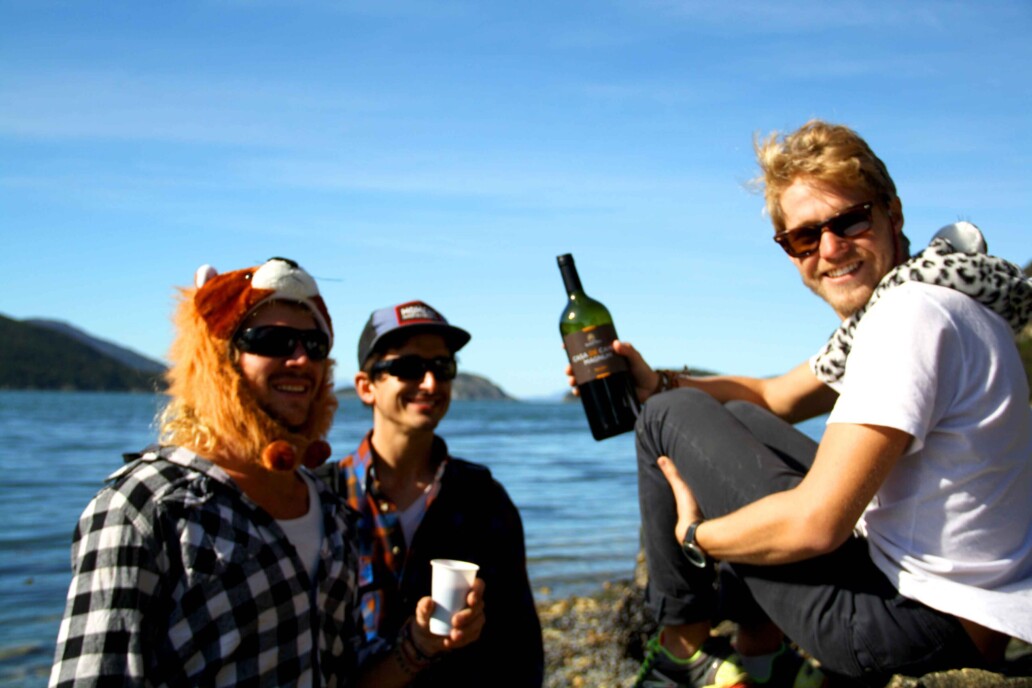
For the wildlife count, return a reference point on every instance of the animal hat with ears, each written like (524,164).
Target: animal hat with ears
(212,410)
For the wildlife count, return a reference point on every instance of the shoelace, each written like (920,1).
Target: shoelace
(648,662)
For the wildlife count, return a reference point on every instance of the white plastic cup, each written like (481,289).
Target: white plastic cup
(450,583)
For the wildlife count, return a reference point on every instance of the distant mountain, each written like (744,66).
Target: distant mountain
(41,357)
(49,354)
(121,354)
(465,386)
(470,386)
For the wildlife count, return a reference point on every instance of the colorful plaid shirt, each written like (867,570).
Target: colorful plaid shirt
(381,543)
(180,579)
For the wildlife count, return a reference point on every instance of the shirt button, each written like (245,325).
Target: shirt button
(395,550)
(385,506)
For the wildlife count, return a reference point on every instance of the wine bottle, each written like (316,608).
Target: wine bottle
(603,380)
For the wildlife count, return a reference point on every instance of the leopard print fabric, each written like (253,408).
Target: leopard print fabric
(995,283)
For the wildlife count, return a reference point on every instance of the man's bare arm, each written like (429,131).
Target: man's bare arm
(795,396)
(811,519)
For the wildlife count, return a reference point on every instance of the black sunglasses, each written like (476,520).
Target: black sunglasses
(851,222)
(413,368)
(279,341)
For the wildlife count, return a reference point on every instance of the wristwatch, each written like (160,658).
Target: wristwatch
(691,548)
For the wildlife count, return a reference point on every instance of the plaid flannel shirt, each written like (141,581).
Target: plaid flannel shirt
(180,579)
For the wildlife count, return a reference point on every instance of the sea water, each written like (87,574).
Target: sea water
(577,497)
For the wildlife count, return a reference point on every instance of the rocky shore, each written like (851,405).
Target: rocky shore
(596,641)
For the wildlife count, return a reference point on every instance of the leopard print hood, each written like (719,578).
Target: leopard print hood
(995,283)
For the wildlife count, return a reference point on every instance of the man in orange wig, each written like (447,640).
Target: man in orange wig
(216,558)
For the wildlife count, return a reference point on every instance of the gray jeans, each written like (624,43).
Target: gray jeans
(839,607)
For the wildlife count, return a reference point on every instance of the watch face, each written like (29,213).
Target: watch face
(694,554)
(691,550)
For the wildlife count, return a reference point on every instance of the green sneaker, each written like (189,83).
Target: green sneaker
(713,666)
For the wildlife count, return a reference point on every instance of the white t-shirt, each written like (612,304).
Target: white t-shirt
(952,524)
(306,532)
(411,516)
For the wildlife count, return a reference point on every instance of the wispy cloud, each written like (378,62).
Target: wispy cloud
(802,16)
(548,181)
(127,105)
(376,8)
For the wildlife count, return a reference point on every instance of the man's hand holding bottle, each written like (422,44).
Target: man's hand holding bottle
(646,380)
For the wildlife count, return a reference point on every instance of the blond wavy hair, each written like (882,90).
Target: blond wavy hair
(212,411)
(826,153)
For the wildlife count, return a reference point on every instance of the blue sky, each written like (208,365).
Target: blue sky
(449,151)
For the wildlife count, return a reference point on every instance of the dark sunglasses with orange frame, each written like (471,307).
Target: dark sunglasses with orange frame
(851,222)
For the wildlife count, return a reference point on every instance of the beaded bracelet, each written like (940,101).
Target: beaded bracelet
(662,383)
(415,660)
(668,379)
(404,662)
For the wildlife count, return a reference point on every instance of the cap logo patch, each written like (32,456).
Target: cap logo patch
(416,311)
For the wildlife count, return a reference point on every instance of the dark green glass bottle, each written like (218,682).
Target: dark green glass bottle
(603,381)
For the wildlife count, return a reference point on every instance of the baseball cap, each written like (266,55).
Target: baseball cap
(412,317)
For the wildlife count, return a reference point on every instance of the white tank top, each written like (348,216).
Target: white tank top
(306,532)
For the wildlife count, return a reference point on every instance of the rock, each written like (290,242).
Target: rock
(598,641)
(961,678)
(584,640)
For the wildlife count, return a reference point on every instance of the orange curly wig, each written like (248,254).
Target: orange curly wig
(212,410)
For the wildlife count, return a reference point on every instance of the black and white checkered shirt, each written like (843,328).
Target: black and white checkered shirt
(179,579)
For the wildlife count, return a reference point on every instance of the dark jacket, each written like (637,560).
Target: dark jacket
(470,519)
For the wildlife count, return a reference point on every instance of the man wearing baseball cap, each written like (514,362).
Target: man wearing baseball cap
(417,503)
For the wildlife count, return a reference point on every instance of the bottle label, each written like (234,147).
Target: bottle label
(591,353)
